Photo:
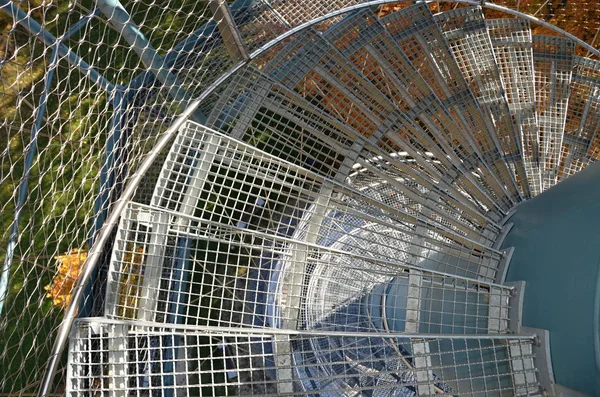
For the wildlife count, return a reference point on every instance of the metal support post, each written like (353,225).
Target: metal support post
(110,165)
(36,30)
(229,32)
(122,22)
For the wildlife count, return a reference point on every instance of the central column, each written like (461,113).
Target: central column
(556,237)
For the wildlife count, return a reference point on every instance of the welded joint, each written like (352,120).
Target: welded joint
(413,301)
(515,310)
(525,379)
(542,359)
(510,213)
(498,312)
(422,363)
(503,265)
(229,31)
(117,360)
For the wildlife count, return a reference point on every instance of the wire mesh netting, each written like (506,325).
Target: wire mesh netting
(89,87)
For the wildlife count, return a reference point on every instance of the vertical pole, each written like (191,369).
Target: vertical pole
(122,22)
(23,188)
(229,32)
(107,172)
(107,181)
(36,30)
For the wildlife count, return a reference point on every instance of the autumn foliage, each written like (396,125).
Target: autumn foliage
(578,17)
(68,270)
(130,281)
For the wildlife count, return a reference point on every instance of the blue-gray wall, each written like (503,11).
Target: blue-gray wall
(557,252)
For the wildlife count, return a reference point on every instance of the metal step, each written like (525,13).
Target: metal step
(341,296)
(553,65)
(466,32)
(415,31)
(512,43)
(280,122)
(314,69)
(582,127)
(246,361)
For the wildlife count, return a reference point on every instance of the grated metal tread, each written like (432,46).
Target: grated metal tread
(123,359)
(416,32)
(553,65)
(581,141)
(512,42)
(466,32)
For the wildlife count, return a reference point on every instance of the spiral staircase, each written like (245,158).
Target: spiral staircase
(339,224)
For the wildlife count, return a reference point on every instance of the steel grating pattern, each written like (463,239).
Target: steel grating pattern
(264,202)
(232,362)
(553,64)
(325,216)
(512,43)
(384,64)
(467,35)
(581,125)
(416,32)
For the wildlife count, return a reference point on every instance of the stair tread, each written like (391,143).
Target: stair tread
(512,43)
(466,32)
(416,32)
(581,142)
(553,65)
